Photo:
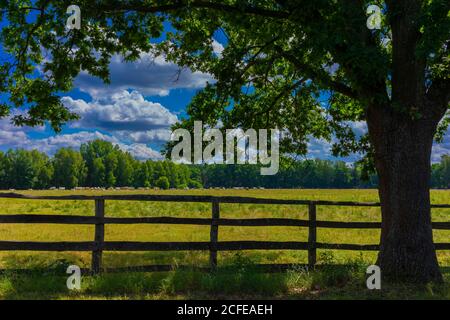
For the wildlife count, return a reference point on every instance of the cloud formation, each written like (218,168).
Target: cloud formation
(152,76)
(124,114)
(12,137)
(74,140)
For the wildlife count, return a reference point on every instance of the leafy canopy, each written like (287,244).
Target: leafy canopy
(307,67)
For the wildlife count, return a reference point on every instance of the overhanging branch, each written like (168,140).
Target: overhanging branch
(320,77)
(217,6)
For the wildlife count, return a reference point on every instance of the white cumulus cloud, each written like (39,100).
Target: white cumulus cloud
(124,114)
(149,75)
(74,140)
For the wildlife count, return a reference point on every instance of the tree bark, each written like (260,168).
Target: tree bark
(402,158)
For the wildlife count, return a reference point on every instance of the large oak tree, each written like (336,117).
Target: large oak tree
(311,68)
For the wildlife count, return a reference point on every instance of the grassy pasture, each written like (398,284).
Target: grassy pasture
(184,284)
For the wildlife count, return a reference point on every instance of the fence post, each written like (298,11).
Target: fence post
(99,236)
(312,236)
(214,235)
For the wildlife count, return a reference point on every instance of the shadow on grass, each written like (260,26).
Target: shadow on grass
(240,279)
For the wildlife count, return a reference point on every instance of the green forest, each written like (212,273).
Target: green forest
(101,164)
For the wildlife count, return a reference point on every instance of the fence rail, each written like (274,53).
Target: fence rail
(98,245)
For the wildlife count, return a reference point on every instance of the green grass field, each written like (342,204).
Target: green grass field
(343,282)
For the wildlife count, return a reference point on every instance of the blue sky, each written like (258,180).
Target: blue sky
(136,111)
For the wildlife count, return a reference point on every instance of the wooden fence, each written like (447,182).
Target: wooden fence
(213,246)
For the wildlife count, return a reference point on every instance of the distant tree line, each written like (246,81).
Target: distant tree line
(292,174)
(97,164)
(101,164)
(309,174)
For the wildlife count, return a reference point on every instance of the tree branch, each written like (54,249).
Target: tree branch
(21,59)
(438,96)
(199,4)
(283,92)
(320,77)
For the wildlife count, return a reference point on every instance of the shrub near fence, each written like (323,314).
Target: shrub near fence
(98,245)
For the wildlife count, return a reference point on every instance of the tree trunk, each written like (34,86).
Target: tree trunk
(402,159)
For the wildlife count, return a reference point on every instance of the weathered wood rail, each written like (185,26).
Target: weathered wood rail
(99,245)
